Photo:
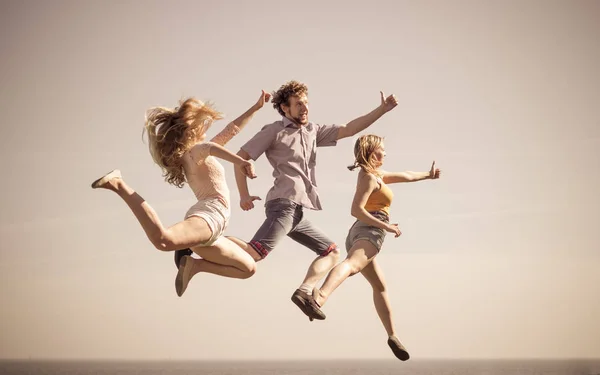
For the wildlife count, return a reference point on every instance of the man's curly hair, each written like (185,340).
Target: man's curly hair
(289,89)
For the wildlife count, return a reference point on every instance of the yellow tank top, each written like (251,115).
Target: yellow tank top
(380,199)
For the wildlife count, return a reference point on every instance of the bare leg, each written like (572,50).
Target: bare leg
(320,267)
(359,256)
(374,275)
(247,248)
(187,233)
(224,258)
(306,234)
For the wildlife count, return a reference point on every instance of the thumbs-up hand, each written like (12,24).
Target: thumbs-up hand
(388,103)
(264,98)
(434,172)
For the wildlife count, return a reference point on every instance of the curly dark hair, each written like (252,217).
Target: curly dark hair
(287,90)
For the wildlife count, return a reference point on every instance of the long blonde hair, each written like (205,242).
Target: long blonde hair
(364,147)
(172,132)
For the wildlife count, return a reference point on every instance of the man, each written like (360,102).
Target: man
(290,145)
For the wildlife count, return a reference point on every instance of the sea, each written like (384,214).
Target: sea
(306,367)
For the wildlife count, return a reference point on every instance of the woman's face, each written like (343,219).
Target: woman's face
(378,155)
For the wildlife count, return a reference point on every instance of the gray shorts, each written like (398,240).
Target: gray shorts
(285,217)
(362,231)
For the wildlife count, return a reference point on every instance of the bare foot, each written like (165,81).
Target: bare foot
(184,275)
(109,181)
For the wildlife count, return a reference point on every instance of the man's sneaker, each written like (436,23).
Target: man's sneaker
(307,304)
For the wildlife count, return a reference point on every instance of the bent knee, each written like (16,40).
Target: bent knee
(160,242)
(354,267)
(165,244)
(249,270)
(354,270)
(379,288)
(333,252)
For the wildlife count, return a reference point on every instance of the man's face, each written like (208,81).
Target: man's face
(297,110)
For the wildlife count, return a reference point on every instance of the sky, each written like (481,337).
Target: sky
(498,259)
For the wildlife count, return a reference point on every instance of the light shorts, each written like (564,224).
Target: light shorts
(216,214)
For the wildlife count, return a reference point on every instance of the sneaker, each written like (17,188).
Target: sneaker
(307,304)
(107,177)
(398,349)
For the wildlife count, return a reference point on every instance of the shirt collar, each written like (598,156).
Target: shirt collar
(287,122)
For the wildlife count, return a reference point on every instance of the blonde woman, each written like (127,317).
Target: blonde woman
(176,141)
(371,208)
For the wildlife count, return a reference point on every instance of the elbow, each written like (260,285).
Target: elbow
(356,211)
(243,154)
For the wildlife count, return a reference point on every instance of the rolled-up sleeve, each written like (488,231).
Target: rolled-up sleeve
(261,141)
(327,135)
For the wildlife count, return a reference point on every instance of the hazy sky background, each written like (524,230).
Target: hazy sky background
(499,258)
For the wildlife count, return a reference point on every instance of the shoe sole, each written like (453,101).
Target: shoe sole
(400,353)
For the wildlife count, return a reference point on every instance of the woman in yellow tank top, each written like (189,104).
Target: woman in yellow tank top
(371,208)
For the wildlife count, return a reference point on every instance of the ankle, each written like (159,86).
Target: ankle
(197,265)
(320,297)
(116,183)
(306,288)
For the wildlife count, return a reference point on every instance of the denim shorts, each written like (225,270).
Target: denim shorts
(362,231)
(286,218)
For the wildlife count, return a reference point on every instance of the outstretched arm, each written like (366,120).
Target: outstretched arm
(239,123)
(201,151)
(221,152)
(408,176)
(367,183)
(361,123)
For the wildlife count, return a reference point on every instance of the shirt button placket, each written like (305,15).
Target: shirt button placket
(304,142)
